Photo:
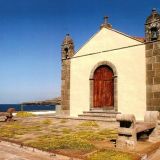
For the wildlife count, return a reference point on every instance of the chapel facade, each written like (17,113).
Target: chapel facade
(113,71)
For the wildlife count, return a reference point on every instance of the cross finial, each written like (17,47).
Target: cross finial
(105,23)
(154,10)
(106,19)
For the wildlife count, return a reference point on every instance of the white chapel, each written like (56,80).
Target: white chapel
(113,72)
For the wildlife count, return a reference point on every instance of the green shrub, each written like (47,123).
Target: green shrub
(24,114)
(110,155)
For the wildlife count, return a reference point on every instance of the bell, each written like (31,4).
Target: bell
(154,34)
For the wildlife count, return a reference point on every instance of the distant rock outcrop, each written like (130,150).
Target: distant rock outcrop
(53,101)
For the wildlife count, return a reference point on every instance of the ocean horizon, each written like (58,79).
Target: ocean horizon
(19,107)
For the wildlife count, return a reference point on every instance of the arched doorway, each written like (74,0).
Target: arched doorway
(103,88)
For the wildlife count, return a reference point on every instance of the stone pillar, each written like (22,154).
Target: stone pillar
(58,109)
(152,34)
(67,54)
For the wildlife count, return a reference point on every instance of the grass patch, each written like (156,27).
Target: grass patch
(110,155)
(47,121)
(89,124)
(42,134)
(13,129)
(66,130)
(63,121)
(54,130)
(80,140)
(109,133)
(23,114)
(52,142)
(89,135)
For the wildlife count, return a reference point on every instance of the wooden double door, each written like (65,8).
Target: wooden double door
(103,87)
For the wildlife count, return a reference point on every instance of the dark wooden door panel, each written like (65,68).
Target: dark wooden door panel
(103,87)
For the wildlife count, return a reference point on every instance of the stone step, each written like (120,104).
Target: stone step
(103,115)
(87,118)
(97,118)
(102,111)
(99,114)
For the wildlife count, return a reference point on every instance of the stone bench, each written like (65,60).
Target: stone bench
(8,115)
(129,129)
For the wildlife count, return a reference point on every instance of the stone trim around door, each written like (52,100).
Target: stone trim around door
(112,66)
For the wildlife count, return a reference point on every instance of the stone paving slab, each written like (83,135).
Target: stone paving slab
(11,151)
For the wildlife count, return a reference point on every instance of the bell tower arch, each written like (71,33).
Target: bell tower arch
(152,26)
(152,36)
(67,50)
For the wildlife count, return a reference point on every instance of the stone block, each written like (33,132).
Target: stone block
(63,76)
(149,46)
(121,142)
(155,102)
(149,80)
(150,60)
(156,80)
(149,67)
(150,73)
(156,88)
(157,73)
(156,66)
(156,52)
(157,108)
(63,113)
(157,45)
(149,88)
(157,58)
(58,109)
(68,87)
(156,94)
(150,108)
(150,95)
(65,107)
(63,83)
(149,53)
(148,103)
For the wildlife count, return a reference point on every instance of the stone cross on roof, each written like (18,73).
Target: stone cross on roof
(106,24)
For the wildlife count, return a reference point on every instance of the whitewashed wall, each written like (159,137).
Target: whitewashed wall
(130,66)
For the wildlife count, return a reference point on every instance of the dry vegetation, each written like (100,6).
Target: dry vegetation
(110,155)
(68,137)
(23,114)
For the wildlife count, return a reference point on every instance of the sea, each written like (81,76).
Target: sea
(19,107)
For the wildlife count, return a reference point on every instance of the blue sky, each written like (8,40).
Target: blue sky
(31,33)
